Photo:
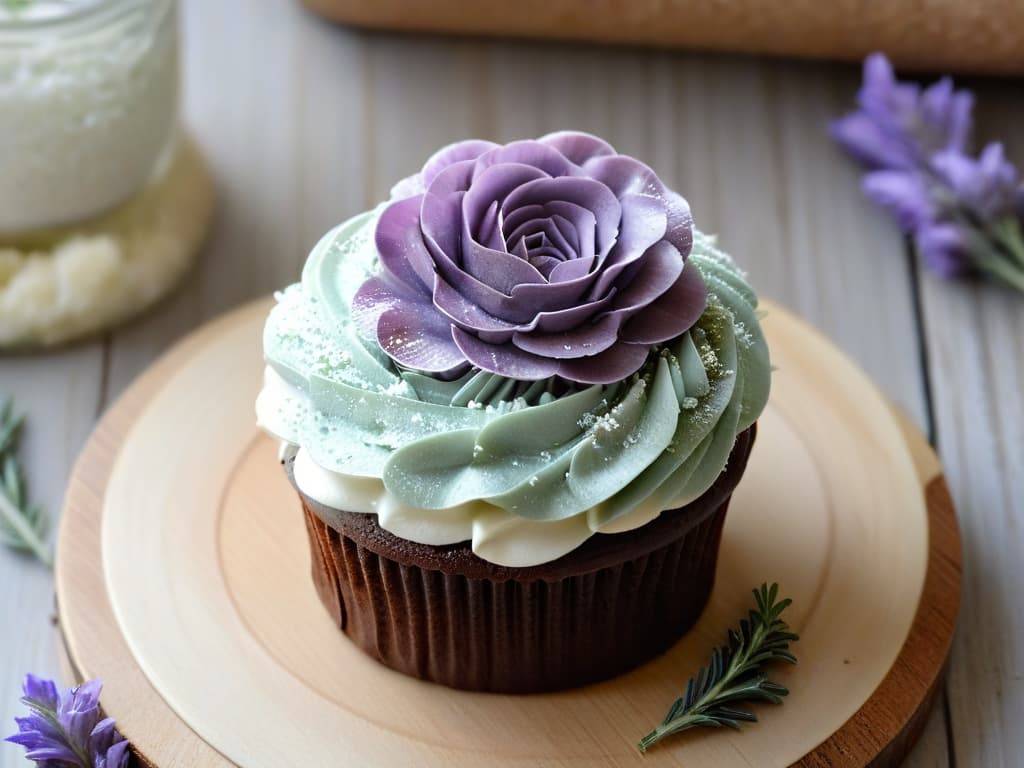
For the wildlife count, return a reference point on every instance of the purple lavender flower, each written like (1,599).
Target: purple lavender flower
(943,248)
(898,125)
(988,186)
(555,257)
(68,732)
(963,213)
(905,193)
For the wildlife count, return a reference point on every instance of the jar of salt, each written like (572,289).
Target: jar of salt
(90,151)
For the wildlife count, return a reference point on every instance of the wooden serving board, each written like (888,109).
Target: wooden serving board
(182,581)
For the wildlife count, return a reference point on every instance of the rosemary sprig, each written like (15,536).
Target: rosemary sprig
(23,525)
(734,674)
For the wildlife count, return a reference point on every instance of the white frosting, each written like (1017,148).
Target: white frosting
(496,535)
(88,98)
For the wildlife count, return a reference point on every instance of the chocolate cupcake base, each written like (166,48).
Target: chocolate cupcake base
(443,614)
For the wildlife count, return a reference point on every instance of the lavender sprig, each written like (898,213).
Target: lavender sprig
(23,525)
(962,212)
(68,731)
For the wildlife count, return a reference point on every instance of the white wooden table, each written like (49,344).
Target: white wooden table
(306,124)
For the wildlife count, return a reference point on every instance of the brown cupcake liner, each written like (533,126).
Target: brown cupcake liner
(442,614)
(515,636)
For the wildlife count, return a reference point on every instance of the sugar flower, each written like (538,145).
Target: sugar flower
(68,731)
(962,212)
(555,257)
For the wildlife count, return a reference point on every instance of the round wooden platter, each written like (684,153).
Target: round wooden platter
(182,582)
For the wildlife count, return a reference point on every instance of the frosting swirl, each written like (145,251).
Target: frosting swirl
(527,470)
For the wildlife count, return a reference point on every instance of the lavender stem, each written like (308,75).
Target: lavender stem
(1007,232)
(1003,270)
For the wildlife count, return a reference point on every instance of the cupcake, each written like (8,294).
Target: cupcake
(516,398)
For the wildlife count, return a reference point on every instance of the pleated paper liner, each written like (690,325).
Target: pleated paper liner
(515,636)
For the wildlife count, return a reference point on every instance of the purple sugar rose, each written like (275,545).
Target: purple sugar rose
(555,257)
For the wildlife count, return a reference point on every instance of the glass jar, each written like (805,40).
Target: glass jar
(88,106)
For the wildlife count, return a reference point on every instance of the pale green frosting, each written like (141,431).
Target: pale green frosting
(660,438)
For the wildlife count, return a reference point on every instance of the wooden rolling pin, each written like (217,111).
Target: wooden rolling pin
(985,36)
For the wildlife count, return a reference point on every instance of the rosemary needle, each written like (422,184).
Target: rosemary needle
(23,525)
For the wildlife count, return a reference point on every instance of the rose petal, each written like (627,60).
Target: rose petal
(441,209)
(626,175)
(503,359)
(612,365)
(644,222)
(571,269)
(568,231)
(526,299)
(646,218)
(654,274)
(513,221)
(377,295)
(531,153)
(453,153)
(407,187)
(544,253)
(625,263)
(419,340)
(578,225)
(498,269)
(495,184)
(588,194)
(492,301)
(577,147)
(584,340)
(400,243)
(465,313)
(552,297)
(679,230)
(672,314)
(566,319)
(546,228)
(553,228)
(488,231)
(545,260)
(582,223)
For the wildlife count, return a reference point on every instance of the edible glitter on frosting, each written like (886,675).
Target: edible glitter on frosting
(525,470)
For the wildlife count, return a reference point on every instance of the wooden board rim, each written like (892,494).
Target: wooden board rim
(879,734)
